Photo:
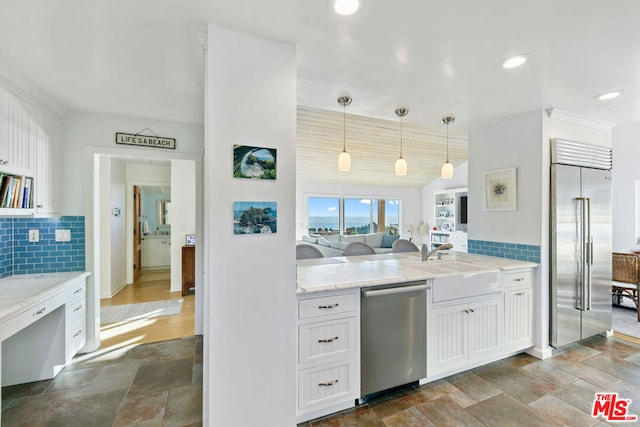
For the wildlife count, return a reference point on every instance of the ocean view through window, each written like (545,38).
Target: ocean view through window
(340,215)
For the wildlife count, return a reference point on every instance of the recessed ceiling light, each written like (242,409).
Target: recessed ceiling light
(346,7)
(515,61)
(608,95)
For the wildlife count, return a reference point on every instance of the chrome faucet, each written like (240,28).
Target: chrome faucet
(426,253)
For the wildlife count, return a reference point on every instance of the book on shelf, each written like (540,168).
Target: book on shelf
(16,192)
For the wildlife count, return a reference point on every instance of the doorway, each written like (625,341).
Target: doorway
(144,286)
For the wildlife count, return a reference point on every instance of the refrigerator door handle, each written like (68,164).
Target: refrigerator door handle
(581,300)
(589,260)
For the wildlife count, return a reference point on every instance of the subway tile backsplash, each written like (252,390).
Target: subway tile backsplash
(19,256)
(505,250)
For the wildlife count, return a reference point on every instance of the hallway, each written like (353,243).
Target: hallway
(153,285)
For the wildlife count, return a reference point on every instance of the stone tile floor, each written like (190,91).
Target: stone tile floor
(157,384)
(517,391)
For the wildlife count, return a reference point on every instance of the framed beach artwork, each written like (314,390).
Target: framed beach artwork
(254,162)
(500,190)
(255,217)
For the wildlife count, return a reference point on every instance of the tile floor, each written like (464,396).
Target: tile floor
(518,391)
(158,384)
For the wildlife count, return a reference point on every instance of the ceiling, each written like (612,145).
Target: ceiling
(138,58)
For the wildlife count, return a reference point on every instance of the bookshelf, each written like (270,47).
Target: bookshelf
(449,220)
(16,194)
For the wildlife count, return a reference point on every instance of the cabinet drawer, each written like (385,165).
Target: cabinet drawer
(75,309)
(327,384)
(77,290)
(517,278)
(323,306)
(327,339)
(31,315)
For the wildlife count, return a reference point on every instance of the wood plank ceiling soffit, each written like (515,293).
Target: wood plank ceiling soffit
(374,146)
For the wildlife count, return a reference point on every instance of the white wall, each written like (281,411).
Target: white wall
(410,210)
(118,246)
(514,141)
(103,245)
(250,327)
(84,130)
(183,214)
(626,171)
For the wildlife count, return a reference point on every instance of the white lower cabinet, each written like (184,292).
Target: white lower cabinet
(156,252)
(518,310)
(328,353)
(461,334)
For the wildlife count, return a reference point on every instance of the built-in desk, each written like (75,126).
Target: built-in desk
(42,324)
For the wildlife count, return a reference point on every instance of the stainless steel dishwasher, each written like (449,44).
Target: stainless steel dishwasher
(393,336)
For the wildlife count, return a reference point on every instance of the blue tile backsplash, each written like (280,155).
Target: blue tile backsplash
(505,250)
(19,256)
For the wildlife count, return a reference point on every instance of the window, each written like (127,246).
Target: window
(333,215)
(324,215)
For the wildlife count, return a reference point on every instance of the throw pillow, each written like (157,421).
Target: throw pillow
(374,240)
(388,239)
(324,242)
(310,239)
(353,238)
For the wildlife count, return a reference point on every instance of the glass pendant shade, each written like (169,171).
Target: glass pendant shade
(447,171)
(344,162)
(401,163)
(344,159)
(401,167)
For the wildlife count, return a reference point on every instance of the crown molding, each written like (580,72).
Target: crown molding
(25,95)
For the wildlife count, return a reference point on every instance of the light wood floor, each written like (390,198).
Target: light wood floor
(153,285)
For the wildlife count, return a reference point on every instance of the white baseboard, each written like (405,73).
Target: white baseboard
(540,353)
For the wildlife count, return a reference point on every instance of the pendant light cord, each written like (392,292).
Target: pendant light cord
(447,142)
(344,128)
(401,137)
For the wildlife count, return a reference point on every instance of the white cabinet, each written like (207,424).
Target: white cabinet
(463,334)
(48,141)
(328,353)
(518,310)
(156,251)
(76,308)
(450,219)
(17,126)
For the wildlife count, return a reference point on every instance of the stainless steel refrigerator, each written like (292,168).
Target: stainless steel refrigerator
(581,231)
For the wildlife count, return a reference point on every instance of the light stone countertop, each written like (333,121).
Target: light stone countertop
(324,274)
(20,291)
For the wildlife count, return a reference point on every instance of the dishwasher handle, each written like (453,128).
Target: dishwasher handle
(370,293)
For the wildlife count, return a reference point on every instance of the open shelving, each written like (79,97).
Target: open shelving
(449,219)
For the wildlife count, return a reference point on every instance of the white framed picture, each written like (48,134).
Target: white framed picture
(500,190)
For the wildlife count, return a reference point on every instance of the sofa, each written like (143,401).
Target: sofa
(334,244)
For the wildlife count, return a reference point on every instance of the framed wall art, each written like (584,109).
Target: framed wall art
(254,162)
(255,217)
(500,190)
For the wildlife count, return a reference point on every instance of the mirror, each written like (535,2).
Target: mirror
(163,209)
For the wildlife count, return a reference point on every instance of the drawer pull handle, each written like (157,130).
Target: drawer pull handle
(519,279)
(469,310)
(328,340)
(77,291)
(78,308)
(519,294)
(39,312)
(328,306)
(327,383)
(77,334)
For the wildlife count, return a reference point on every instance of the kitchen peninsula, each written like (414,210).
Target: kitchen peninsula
(479,309)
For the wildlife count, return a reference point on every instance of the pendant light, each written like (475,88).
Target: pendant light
(401,163)
(344,159)
(447,169)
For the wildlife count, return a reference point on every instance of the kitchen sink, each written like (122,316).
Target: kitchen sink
(463,280)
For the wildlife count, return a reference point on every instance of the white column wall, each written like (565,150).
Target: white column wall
(250,333)
(626,153)
(183,214)
(118,231)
